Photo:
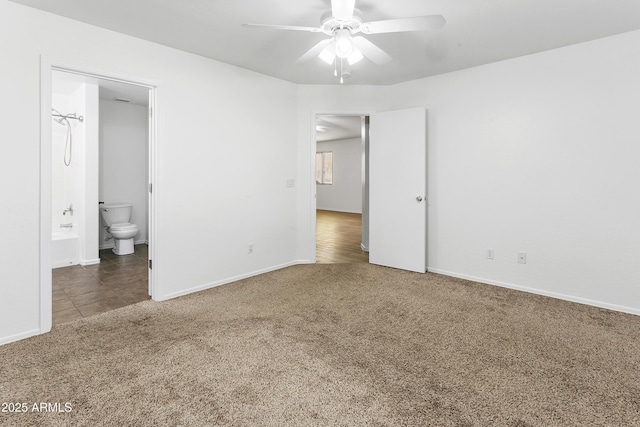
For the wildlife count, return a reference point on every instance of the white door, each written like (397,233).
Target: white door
(398,189)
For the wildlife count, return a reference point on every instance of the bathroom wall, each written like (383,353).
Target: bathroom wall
(345,194)
(124,142)
(66,182)
(77,183)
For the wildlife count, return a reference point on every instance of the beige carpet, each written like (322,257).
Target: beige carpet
(333,345)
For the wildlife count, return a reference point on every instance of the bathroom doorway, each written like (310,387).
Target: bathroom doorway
(98,143)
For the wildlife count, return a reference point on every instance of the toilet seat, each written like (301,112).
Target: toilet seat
(123,226)
(123,231)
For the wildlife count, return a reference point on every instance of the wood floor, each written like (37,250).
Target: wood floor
(338,238)
(82,291)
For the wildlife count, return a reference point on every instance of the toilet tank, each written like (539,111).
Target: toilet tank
(116,213)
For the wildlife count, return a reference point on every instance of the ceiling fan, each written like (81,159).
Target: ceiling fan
(342,22)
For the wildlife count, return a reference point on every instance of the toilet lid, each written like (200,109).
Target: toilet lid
(123,226)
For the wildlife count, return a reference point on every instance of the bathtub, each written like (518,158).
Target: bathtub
(64,247)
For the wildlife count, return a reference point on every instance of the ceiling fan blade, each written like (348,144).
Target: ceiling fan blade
(371,51)
(342,10)
(313,52)
(416,23)
(283,27)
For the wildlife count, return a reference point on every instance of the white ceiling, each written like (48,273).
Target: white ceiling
(334,127)
(116,91)
(477,31)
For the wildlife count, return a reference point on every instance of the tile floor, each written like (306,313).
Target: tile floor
(82,291)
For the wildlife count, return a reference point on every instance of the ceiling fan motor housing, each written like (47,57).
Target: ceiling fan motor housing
(329,25)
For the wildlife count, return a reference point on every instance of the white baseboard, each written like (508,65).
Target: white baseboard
(90,261)
(571,298)
(61,264)
(18,337)
(225,281)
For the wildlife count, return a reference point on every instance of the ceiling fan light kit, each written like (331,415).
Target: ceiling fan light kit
(341,23)
(328,54)
(343,43)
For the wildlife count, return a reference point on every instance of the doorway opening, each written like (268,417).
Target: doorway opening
(103,126)
(395,188)
(341,211)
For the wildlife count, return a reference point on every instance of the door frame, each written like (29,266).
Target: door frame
(47,66)
(312,172)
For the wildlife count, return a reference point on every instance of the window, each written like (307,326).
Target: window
(324,168)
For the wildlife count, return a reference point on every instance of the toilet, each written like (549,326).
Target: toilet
(116,217)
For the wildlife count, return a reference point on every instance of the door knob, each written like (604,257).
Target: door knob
(419,198)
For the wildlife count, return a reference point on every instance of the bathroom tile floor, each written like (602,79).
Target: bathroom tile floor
(82,291)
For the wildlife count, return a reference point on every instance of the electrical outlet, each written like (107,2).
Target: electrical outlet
(489,253)
(250,248)
(522,257)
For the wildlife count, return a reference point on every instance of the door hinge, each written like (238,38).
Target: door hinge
(150,264)
(150,188)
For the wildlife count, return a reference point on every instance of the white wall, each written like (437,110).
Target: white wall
(538,154)
(76,184)
(66,180)
(124,147)
(90,242)
(345,194)
(222,163)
